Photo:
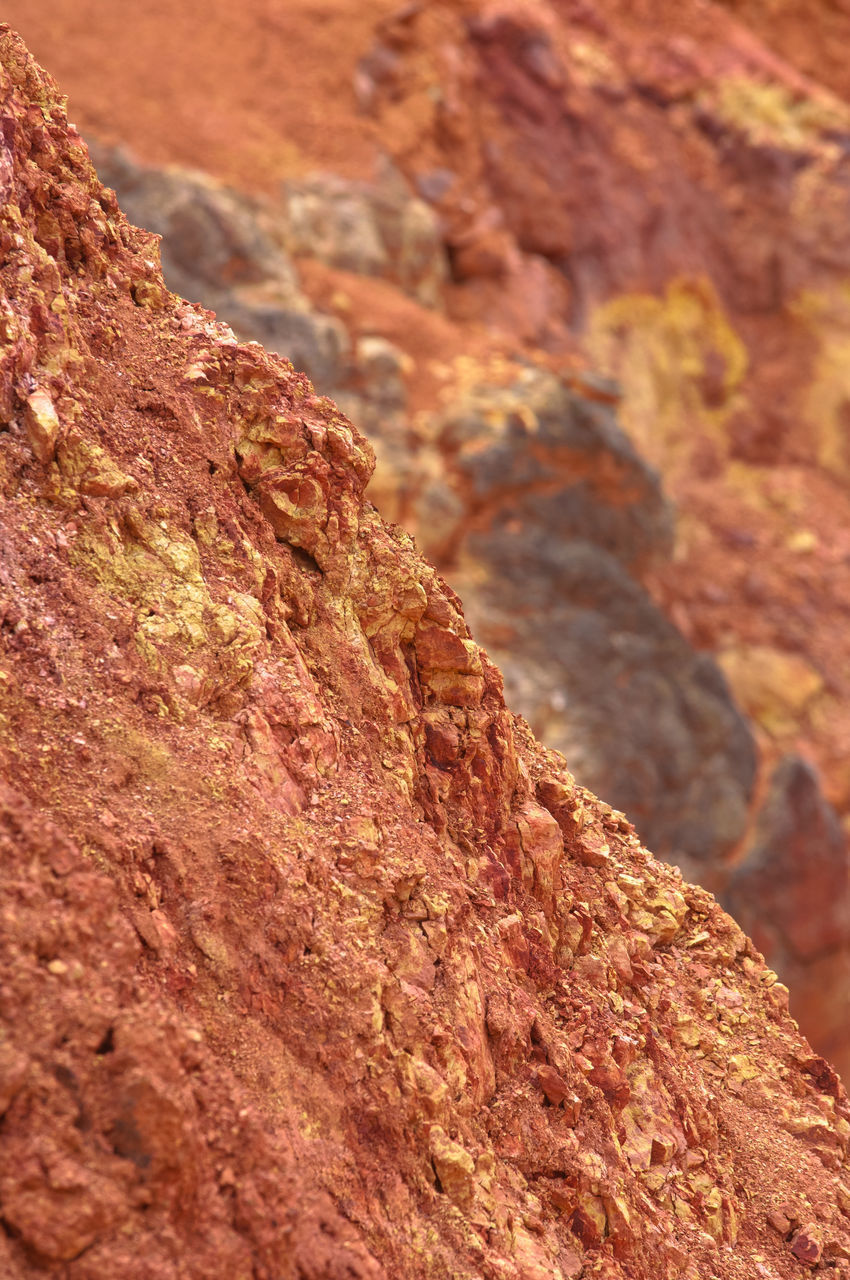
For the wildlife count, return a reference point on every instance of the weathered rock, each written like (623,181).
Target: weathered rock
(807,1245)
(544,500)
(524,466)
(538,459)
(373,229)
(538,452)
(228,252)
(541,450)
(507,471)
(235,702)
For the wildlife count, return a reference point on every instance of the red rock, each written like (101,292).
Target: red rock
(780,1221)
(689,116)
(263,1014)
(807,1245)
(553,1085)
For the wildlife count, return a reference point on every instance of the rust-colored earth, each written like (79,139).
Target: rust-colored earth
(657,190)
(690,122)
(314,963)
(251,93)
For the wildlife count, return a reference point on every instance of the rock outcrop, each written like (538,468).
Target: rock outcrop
(612,684)
(670,189)
(314,962)
(696,148)
(528,495)
(220,250)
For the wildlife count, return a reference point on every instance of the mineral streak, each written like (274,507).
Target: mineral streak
(313,962)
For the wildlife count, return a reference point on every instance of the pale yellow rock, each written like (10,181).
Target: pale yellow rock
(802,541)
(775,688)
(593,1210)
(454,1167)
(90,470)
(42,425)
(742,1068)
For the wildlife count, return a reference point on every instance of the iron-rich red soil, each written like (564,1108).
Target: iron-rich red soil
(314,962)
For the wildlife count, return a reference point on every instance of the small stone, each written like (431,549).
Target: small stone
(42,425)
(150,294)
(189,682)
(778,1220)
(662,1151)
(592,850)
(842,1195)
(553,1085)
(807,1245)
(837,1245)
(58,967)
(453,1166)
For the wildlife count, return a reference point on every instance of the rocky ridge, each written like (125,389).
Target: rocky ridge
(524,490)
(490,485)
(314,961)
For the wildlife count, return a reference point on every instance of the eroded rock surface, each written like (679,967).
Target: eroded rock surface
(314,961)
(706,385)
(611,683)
(221,249)
(505,490)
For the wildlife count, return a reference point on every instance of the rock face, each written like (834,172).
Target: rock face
(314,962)
(219,250)
(527,495)
(691,138)
(611,683)
(661,181)
(234,253)
(539,453)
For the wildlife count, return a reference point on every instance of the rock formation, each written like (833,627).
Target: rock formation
(671,191)
(314,962)
(528,495)
(790,893)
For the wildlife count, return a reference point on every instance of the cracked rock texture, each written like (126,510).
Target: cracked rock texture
(314,962)
(526,492)
(501,489)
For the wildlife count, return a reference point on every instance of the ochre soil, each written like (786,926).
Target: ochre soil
(257,92)
(313,962)
(252,93)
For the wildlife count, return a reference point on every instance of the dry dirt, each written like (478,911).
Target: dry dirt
(314,962)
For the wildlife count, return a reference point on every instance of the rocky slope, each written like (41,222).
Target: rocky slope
(514,480)
(688,238)
(685,187)
(696,248)
(315,963)
(527,494)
